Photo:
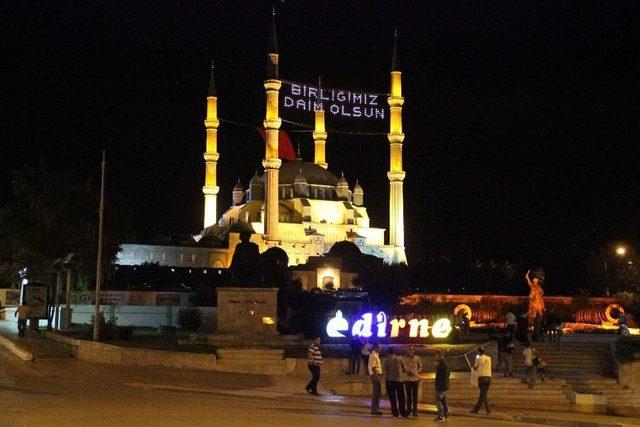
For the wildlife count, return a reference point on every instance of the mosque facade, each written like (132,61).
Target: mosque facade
(297,205)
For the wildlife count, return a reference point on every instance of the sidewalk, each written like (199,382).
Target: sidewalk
(291,388)
(30,347)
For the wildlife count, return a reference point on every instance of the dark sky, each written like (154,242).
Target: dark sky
(521,118)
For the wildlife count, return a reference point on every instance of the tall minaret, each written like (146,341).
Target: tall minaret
(320,135)
(211,156)
(396,174)
(272,123)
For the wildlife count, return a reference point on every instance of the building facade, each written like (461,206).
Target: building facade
(299,206)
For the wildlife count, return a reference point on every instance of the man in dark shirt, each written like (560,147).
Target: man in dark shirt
(442,386)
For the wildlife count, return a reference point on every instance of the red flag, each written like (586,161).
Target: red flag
(285,147)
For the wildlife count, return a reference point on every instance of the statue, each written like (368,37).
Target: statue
(246,266)
(536,303)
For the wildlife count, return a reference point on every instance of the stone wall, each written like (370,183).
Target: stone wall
(89,351)
(247,311)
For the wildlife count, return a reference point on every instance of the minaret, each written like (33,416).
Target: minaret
(272,123)
(211,156)
(396,174)
(320,135)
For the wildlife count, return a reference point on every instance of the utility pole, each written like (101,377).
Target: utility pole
(96,321)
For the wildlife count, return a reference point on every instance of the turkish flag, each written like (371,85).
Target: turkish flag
(285,147)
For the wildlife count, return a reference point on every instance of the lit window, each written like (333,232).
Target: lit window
(193,257)
(163,256)
(132,255)
(181,257)
(151,255)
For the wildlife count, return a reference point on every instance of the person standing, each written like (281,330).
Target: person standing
(511,323)
(483,366)
(365,352)
(394,371)
(413,365)
(22,313)
(508,359)
(374,367)
(354,356)
(501,342)
(529,355)
(522,331)
(442,386)
(314,361)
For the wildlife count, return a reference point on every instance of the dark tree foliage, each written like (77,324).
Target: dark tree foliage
(305,311)
(54,212)
(385,283)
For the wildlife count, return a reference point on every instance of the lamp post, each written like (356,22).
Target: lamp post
(96,321)
(620,251)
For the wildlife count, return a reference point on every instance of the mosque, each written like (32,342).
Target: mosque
(298,206)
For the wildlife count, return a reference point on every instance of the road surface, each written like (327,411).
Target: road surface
(67,392)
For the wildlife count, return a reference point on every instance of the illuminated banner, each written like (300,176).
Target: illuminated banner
(344,109)
(380,326)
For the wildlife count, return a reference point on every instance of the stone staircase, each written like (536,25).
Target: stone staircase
(504,393)
(620,401)
(571,360)
(266,361)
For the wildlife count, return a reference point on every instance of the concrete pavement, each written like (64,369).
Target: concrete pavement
(67,392)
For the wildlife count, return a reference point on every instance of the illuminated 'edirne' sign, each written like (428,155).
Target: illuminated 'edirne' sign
(337,102)
(338,326)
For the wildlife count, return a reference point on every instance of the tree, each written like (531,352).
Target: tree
(55,212)
(385,283)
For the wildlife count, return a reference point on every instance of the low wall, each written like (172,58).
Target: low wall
(503,299)
(142,315)
(136,315)
(89,351)
(629,372)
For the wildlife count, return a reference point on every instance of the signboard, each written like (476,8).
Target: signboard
(344,109)
(380,326)
(34,296)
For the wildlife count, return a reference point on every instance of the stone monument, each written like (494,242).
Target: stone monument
(248,312)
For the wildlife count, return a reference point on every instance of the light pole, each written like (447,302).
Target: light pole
(96,321)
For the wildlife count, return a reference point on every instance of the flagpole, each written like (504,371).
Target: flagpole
(96,316)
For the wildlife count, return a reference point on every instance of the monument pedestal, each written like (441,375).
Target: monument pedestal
(250,313)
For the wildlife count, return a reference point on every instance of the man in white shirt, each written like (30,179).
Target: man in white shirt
(375,372)
(483,367)
(529,354)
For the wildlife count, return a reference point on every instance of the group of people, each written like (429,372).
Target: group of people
(546,327)
(400,374)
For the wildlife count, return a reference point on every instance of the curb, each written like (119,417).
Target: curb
(16,349)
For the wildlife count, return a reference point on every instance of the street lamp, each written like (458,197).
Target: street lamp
(621,250)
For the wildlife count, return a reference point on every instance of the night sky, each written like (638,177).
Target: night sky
(521,118)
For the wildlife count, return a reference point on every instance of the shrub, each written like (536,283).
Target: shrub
(125,332)
(107,330)
(190,318)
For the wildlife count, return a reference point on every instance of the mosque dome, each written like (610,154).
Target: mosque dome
(342,182)
(314,174)
(256,180)
(357,189)
(344,249)
(238,186)
(300,178)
